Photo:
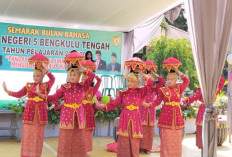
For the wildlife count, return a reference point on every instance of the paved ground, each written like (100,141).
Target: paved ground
(10,148)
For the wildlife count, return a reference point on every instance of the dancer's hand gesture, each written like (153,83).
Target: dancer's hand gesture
(37,89)
(144,75)
(146,105)
(44,70)
(5,88)
(97,77)
(177,71)
(81,67)
(39,93)
(156,75)
(98,104)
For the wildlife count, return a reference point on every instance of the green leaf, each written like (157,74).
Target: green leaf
(163,48)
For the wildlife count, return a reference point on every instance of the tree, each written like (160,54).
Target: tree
(163,48)
(164,26)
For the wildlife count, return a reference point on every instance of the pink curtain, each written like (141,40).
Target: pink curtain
(140,36)
(136,39)
(173,14)
(209,23)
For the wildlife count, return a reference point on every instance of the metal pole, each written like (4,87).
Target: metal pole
(229,91)
(229,105)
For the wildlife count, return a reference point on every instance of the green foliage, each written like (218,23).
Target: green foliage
(103,116)
(9,107)
(225,75)
(221,94)
(187,111)
(222,102)
(54,115)
(164,26)
(53,118)
(158,111)
(191,112)
(163,48)
(19,109)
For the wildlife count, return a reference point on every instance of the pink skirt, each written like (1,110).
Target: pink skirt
(32,138)
(128,146)
(71,142)
(147,140)
(199,137)
(171,143)
(89,140)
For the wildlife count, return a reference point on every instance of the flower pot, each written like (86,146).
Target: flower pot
(190,127)
(50,131)
(116,121)
(222,134)
(104,129)
(222,129)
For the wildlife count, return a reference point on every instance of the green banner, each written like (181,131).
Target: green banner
(19,42)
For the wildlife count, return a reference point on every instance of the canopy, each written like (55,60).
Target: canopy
(108,15)
(139,20)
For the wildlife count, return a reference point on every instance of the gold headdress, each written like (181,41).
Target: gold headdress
(73,67)
(149,76)
(171,62)
(38,60)
(38,71)
(132,76)
(172,73)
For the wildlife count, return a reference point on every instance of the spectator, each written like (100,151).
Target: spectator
(89,56)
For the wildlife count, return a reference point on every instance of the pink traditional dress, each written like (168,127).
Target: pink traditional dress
(148,116)
(130,126)
(72,119)
(35,117)
(171,120)
(198,96)
(89,114)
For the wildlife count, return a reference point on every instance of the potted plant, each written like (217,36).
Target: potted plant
(222,129)
(105,120)
(221,102)
(18,108)
(53,116)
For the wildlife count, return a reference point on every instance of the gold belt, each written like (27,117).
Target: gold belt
(74,105)
(173,103)
(86,101)
(36,99)
(132,107)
